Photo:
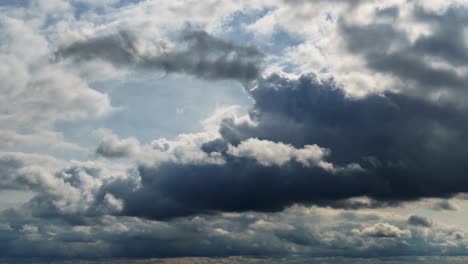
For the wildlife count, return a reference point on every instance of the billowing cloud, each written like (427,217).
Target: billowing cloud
(374,132)
(338,149)
(385,230)
(270,153)
(111,146)
(428,60)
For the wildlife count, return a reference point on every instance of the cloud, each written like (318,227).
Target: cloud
(285,180)
(196,53)
(14,2)
(385,230)
(427,58)
(416,220)
(269,175)
(305,143)
(271,153)
(298,231)
(404,64)
(45,93)
(444,205)
(373,132)
(111,146)
(36,93)
(17,167)
(257,182)
(61,189)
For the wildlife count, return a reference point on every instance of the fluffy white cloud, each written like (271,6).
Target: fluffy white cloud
(270,153)
(113,147)
(385,230)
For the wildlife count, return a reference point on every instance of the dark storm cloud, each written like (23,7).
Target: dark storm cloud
(57,225)
(239,185)
(389,50)
(408,148)
(197,53)
(412,148)
(417,220)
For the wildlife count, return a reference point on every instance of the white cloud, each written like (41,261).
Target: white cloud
(385,230)
(112,147)
(270,153)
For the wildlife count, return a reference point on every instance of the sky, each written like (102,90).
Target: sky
(279,131)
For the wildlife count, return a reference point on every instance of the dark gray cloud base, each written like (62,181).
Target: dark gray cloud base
(197,53)
(409,148)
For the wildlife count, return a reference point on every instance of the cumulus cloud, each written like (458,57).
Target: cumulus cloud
(419,221)
(44,94)
(17,167)
(373,131)
(338,149)
(271,153)
(111,146)
(268,175)
(37,93)
(258,185)
(385,230)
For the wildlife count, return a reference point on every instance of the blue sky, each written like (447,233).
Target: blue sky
(249,131)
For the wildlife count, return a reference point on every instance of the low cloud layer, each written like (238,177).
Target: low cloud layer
(297,231)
